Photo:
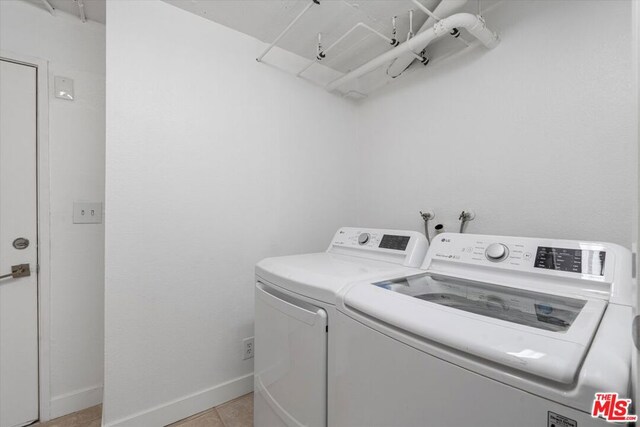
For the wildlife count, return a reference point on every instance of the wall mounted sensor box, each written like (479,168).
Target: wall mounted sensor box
(63,87)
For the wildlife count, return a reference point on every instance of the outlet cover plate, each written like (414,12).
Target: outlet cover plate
(247,348)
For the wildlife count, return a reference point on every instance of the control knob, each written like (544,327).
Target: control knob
(496,252)
(363,238)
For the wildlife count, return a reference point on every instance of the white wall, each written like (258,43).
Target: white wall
(214,161)
(537,135)
(76,141)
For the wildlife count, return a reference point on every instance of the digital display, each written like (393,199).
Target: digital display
(390,241)
(571,260)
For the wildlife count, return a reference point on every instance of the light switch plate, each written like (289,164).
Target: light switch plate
(87,213)
(63,87)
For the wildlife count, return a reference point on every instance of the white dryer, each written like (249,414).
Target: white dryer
(497,331)
(294,315)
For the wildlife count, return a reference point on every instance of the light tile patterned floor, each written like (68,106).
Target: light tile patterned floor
(90,417)
(235,413)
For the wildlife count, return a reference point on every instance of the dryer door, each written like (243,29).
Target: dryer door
(290,380)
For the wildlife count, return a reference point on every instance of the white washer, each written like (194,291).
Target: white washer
(498,331)
(295,310)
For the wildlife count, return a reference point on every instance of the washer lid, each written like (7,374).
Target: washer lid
(520,306)
(321,275)
(546,335)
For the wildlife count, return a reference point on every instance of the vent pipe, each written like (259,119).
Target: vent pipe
(474,24)
(444,9)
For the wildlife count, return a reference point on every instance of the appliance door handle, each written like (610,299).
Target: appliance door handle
(20,270)
(299,310)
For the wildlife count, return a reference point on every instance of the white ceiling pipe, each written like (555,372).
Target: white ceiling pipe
(474,24)
(49,7)
(322,53)
(444,9)
(410,33)
(83,16)
(286,30)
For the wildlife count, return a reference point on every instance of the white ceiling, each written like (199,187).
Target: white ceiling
(95,10)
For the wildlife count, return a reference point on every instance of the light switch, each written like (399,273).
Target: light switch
(87,213)
(63,87)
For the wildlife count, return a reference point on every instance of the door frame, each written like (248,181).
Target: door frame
(635,55)
(43,268)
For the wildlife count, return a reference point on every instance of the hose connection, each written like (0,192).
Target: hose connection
(394,32)
(320,55)
(426,216)
(464,218)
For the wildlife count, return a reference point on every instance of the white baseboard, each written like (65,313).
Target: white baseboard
(75,401)
(188,405)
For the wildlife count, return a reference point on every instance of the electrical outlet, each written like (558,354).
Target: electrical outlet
(247,348)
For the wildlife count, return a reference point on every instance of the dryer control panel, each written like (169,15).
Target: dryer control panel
(403,247)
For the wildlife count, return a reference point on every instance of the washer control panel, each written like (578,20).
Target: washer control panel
(363,238)
(570,259)
(497,252)
(541,256)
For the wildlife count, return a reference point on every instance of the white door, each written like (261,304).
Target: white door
(18,223)
(636,65)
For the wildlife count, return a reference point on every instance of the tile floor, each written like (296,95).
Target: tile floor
(235,413)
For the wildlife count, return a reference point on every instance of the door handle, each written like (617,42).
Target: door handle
(20,270)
